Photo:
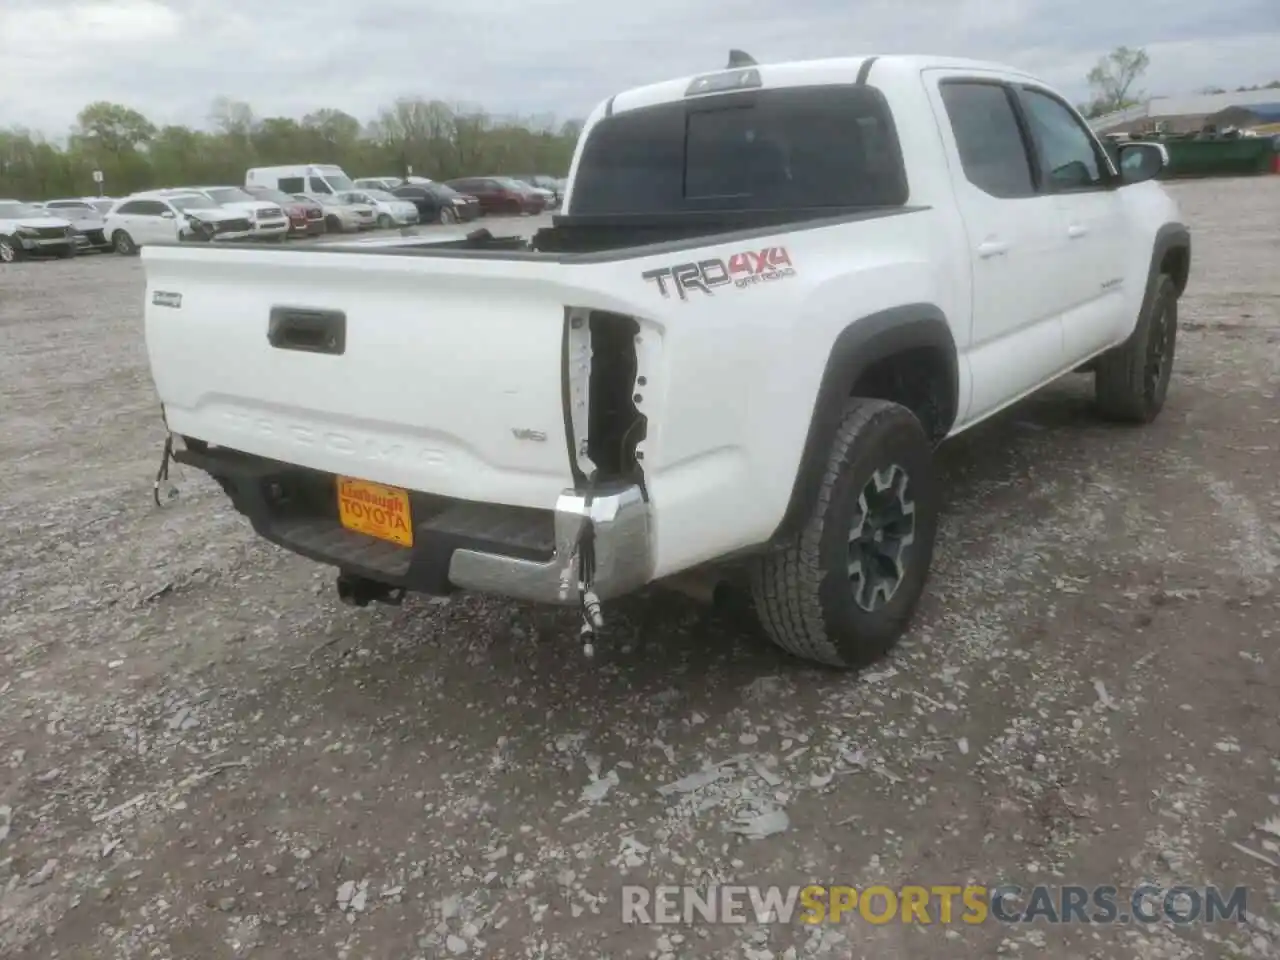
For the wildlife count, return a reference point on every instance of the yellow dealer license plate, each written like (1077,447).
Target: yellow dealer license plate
(373,509)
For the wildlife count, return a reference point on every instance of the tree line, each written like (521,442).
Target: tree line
(426,137)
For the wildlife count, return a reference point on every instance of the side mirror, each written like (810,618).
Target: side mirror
(1140,161)
(169,215)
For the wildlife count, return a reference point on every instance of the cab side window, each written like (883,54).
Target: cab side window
(318,185)
(1070,159)
(992,150)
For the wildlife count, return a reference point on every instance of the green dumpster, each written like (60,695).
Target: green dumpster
(1220,158)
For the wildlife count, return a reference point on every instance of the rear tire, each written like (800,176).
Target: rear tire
(123,243)
(845,587)
(1131,381)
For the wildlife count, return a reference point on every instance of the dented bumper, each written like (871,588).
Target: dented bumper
(524,554)
(611,530)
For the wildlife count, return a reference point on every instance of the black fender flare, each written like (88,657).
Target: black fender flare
(1170,237)
(862,343)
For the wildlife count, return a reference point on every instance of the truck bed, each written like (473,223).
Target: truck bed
(586,239)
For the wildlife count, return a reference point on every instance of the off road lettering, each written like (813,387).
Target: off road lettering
(741,270)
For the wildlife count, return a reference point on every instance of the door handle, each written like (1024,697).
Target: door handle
(992,248)
(1075,231)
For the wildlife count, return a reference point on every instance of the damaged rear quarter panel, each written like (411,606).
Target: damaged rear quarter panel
(732,366)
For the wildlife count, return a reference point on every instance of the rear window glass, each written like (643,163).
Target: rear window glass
(797,147)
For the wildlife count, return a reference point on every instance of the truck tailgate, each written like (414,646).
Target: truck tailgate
(435,374)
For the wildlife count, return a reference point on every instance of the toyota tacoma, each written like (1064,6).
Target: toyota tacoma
(772,290)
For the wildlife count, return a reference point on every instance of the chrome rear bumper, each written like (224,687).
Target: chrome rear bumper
(612,527)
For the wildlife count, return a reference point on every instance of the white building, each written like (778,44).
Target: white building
(1179,114)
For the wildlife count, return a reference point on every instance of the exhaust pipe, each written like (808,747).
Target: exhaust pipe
(357,591)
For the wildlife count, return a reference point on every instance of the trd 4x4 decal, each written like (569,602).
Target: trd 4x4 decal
(741,270)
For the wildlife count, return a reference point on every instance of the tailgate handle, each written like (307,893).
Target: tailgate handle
(311,331)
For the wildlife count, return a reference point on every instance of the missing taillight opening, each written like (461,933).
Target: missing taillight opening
(604,391)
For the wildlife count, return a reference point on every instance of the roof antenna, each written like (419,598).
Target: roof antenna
(739,58)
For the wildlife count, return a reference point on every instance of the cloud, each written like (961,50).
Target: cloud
(171,58)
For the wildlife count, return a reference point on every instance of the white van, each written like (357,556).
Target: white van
(301,178)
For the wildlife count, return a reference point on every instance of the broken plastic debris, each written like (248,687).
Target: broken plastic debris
(695,781)
(597,790)
(762,825)
(767,775)
(1104,698)
(877,676)
(345,893)
(1260,857)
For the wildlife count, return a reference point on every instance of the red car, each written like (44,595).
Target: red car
(499,195)
(306,217)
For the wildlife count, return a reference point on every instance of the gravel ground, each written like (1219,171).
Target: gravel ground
(202,754)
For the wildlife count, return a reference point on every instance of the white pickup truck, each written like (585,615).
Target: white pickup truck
(773,289)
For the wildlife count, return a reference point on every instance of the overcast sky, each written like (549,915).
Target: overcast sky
(171,58)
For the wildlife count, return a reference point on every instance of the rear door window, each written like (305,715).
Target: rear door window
(293,184)
(789,148)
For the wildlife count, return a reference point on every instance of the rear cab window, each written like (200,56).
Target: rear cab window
(789,148)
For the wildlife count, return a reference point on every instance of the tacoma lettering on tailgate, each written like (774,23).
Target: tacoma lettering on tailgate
(741,270)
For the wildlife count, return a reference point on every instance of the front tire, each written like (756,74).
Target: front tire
(1131,381)
(385,222)
(845,587)
(123,243)
(446,216)
(333,224)
(10,250)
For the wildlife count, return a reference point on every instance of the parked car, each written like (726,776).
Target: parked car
(269,220)
(306,217)
(388,209)
(651,393)
(341,216)
(86,218)
(438,203)
(379,183)
(169,216)
(308,178)
(541,181)
(101,204)
(548,196)
(27,230)
(499,195)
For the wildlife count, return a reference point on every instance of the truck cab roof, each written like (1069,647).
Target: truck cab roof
(800,73)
